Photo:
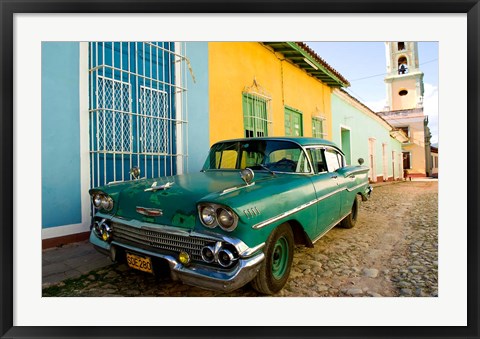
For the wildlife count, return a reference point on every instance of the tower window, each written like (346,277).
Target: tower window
(402,65)
(403,92)
(401,46)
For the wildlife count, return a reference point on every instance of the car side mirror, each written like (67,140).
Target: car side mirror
(135,173)
(247,175)
(360,161)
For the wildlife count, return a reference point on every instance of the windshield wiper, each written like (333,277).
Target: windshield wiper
(267,169)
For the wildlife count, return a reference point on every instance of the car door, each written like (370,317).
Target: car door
(328,194)
(345,180)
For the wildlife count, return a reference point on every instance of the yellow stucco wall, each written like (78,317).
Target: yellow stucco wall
(308,95)
(234,66)
(416,148)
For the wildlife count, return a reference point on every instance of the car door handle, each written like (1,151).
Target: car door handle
(352,176)
(333,177)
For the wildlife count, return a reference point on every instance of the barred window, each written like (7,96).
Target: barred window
(136,110)
(318,128)
(256,115)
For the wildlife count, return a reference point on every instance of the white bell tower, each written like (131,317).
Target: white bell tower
(404,79)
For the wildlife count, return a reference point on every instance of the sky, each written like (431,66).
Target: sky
(363,64)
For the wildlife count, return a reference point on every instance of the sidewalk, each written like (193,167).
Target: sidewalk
(70,261)
(383,183)
(425,179)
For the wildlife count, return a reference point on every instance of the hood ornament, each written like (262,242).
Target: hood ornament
(156,187)
(151,212)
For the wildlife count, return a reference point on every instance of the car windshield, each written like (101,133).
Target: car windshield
(266,155)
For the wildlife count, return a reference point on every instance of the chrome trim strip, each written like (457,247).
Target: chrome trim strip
(332,225)
(302,207)
(295,210)
(355,171)
(328,195)
(235,188)
(275,172)
(251,251)
(284,214)
(356,187)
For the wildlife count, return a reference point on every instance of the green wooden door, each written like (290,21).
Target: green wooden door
(293,122)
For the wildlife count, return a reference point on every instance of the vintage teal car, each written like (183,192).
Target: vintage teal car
(238,220)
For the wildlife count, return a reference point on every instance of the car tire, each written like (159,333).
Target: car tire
(275,270)
(350,220)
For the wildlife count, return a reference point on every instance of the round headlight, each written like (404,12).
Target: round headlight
(97,200)
(208,216)
(207,253)
(225,257)
(225,218)
(107,203)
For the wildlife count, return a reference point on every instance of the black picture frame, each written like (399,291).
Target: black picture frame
(9,8)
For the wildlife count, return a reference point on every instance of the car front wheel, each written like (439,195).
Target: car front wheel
(275,269)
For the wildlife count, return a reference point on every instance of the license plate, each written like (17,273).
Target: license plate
(140,263)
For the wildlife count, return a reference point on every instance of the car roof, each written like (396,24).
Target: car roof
(302,141)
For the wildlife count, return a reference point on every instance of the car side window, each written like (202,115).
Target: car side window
(318,162)
(341,160)
(333,160)
(303,166)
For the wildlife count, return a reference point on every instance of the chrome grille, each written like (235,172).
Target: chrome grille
(160,240)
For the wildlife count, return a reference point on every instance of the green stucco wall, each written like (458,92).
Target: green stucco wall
(363,127)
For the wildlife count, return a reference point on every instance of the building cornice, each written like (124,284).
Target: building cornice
(394,76)
(301,55)
(412,112)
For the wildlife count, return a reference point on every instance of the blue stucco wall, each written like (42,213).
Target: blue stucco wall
(198,106)
(61,203)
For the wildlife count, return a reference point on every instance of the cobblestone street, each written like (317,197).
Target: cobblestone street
(392,251)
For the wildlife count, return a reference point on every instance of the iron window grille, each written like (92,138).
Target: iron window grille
(257,111)
(318,127)
(137,108)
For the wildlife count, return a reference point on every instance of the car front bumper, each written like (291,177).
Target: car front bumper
(202,276)
(367,193)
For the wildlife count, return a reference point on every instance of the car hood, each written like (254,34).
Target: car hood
(178,202)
